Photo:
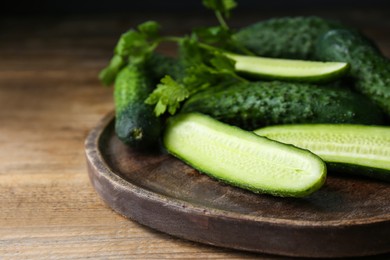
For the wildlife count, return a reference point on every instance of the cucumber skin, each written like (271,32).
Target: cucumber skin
(358,170)
(369,68)
(158,65)
(256,104)
(135,122)
(286,37)
(235,131)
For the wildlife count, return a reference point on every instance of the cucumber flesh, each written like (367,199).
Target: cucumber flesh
(366,148)
(297,70)
(243,159)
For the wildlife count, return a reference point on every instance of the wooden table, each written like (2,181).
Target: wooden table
(49,100)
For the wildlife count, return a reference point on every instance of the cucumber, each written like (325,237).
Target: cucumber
(291,70)
(159,65)
(256,104)
(369,68)
(135,122)
(286,37)
(243,159)
(358,149)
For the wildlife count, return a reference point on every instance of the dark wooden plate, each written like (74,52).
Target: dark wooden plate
(347,217)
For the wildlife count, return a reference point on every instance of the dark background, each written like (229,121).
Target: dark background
(110,6)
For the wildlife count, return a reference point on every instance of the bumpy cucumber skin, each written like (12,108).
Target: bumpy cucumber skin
(159,65)
(253,105)
(369,68)
(135,122)
(169,136)
(287,37)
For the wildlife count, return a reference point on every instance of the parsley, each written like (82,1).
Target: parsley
(167,96)
(133,46)
(108,74)
(202,58)
(221,35)
(203,66)
(149,29)
(221,8)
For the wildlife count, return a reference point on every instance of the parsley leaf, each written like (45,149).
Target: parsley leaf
(167,96)
(137,45)
(108,74)
(132,47)
(222,6)
(150,29)
(213,35)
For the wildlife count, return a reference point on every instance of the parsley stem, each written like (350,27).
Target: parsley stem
(208,47)
(221,20)
(170,39)
(245,50)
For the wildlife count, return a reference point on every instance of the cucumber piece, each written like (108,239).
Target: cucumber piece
(241,158)
(358,149)
(292,70)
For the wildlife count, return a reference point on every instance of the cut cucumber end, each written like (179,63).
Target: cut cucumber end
(297,70)
(243,159)
(357,145)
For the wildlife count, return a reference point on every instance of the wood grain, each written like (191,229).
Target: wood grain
(49,100)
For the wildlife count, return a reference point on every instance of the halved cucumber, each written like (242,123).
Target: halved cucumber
(284,69)
(242,158)
(359,149)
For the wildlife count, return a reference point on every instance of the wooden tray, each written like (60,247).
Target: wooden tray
(347,217)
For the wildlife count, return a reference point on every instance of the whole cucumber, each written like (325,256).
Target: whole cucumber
(368,67)
(256,104)
(158,65)
(135,122)
(286,37)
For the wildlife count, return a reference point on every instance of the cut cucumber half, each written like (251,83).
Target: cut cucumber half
(366,149)
(284,69)
(242,158)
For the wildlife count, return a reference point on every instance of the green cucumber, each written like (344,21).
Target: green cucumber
(135,122)
(291,70)
(256,104)
(357,149)
(242,158)
(369,67)
(285,37)
(159,65)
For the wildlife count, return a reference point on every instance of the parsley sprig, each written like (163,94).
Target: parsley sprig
(133,46)
(204,66)
(221,9)
(201,56)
